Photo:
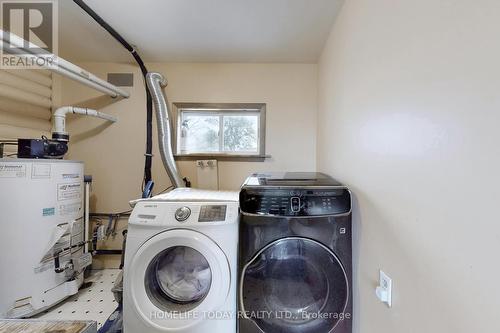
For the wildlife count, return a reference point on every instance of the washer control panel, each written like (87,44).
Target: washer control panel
(185,213)
(295,202)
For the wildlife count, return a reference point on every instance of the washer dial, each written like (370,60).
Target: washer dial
(182,214)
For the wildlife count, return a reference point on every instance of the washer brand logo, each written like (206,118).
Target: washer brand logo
(29,33)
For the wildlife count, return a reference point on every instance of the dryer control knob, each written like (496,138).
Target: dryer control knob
(182,214)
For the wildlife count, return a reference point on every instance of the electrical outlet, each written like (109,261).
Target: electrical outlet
(384,290)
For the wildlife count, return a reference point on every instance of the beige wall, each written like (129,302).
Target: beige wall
(114,154)
(18,117)
(409,100)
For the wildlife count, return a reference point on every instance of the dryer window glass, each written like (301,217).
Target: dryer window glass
(178,279)
(301,285)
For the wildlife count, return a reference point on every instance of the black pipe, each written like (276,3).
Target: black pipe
(124,247)
(149,103)
(100,252)
(57,264)
(117,215)
(57,261)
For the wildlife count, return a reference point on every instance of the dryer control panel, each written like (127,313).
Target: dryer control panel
(295,202)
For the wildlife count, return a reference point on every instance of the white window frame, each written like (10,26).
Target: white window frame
(221,110)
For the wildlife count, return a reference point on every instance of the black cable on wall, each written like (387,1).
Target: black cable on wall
(149,103)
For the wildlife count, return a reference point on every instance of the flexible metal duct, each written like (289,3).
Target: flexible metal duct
(155,82)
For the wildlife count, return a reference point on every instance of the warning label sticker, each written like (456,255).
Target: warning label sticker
(48,211)
(12,170)
(70,175)
(68,191)
(40,171)
(69,209)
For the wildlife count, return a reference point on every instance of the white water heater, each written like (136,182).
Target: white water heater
(42,255)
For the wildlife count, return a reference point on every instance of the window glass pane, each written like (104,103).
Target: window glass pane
(206,129)
(199,133)
(241,133)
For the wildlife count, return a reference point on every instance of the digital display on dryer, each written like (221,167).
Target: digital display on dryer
(212,213)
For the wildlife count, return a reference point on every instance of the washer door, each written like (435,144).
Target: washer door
(177,277)
(294,285)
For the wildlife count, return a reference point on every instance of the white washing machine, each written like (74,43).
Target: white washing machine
(180,263)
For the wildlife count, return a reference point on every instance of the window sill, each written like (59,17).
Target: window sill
(225,157)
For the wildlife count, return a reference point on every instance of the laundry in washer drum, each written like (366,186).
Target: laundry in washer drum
(184,274)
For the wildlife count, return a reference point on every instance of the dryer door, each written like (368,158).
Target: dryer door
(177,278)
(294,285)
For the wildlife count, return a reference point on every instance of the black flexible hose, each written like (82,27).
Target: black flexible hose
(149,102)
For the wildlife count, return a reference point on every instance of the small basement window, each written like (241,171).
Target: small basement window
(220,130)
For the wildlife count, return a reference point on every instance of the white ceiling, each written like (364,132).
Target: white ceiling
(199,30)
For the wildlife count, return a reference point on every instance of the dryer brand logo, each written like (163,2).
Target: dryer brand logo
(29,33)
